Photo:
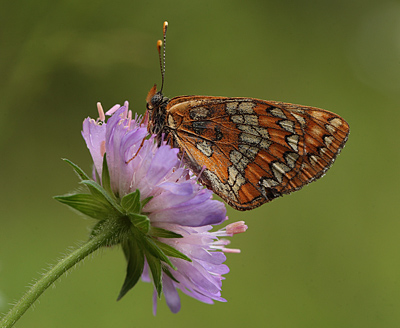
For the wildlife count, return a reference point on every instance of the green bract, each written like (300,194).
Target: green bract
(138,239)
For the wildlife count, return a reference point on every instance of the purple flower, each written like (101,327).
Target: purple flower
(180,211)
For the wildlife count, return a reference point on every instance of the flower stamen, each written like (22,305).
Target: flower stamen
(129,118)
(100,109)
(230,250)
(201,172)
(113,109)
(236,227)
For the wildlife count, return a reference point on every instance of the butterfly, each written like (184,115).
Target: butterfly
(248,151)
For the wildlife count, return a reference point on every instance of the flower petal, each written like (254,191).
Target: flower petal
(171,295)
(94,136)
(163,162)
(171,194)
(155,297)
(193,213)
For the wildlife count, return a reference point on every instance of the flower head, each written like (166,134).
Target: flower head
(164,215)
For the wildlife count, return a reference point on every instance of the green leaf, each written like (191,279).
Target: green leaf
(156,251)
(87,204)
(131,202)
(105,177)
(82,175)
(94,190)
(163,233)
(156,272)
(135,257)
(97,176)
(141,222)
(101,194)
(172,252)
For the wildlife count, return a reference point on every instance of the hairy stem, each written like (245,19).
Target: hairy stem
(101,239)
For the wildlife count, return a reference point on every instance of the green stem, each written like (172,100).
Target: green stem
(53,274)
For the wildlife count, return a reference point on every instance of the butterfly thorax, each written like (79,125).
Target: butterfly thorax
(156,108)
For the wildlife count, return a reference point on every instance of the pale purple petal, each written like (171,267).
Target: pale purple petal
(172,194)
(198,276)
(94,136)
(155,297)
(208,257)
(171,295)
(161,165)
(203,298)
(193,213)
(219,269)
(127,165)
(146,274)
(116,129)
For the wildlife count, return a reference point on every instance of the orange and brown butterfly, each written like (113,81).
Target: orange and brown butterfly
(248,151)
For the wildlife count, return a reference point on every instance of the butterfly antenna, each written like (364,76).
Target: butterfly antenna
(162,57)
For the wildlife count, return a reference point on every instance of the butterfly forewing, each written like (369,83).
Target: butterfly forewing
(253,150)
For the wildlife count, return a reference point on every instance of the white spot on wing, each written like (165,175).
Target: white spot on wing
(222,188)
(265,144)
(279,169)
(287,125)
(336,122)
(238,160)
(205,147)
(293,141)
(299,119)
(313,160)
(251,119)
(231,107)
(199,113)
(249,151)
(268,183)
(243,108)
(291,159)
(328,140)
(323,150)
(249,139)
(246,108)
(277,112)
(238,119)
(235,179)
(171,122)
(254,130)
(231,188)
(330,128)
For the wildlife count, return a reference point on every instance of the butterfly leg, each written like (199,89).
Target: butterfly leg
(140,147)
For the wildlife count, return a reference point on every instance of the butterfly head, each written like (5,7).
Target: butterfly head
(156,102)
(156,107)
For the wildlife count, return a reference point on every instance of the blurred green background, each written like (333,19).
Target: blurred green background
(327,256)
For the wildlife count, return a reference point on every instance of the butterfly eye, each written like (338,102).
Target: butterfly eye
(156,99)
